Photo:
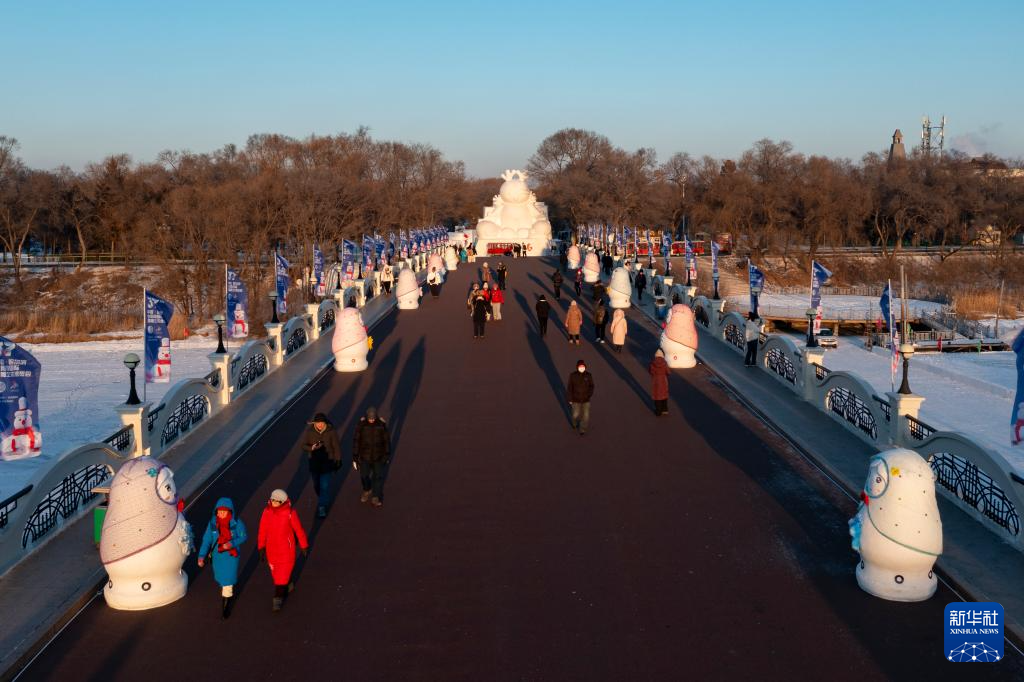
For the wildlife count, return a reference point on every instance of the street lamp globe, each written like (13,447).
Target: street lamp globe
(219,319)
(131,360)
(811,314)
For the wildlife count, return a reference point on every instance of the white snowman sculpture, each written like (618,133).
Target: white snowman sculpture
(573,257)
(408,291)
(145,538)
(451,259)
(897,529)
(591,268)
(350,343)
(25,440)
(514,216)
(679,338)
(239,326)
(620,290)
(436,261)
(163,359)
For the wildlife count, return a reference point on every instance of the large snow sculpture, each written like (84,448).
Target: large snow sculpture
(25,439)
(451,259)
(620,291)
(897,528)
(573,257)
(349,343)
(515,216)
(591,268)
(408,291)
(435,261)
(145,539)
(679,339)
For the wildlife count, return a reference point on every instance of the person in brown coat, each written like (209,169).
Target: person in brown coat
(659,383)
(573,323)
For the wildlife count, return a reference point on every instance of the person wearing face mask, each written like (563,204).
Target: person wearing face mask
(579,390)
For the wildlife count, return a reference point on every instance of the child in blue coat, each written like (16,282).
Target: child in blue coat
(224,535)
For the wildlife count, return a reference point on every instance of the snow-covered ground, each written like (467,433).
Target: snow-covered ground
(833,307)
(81,383)
(967,392)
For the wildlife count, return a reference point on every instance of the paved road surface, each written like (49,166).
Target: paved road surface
(695,546)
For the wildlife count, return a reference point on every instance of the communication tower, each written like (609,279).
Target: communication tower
(927,146)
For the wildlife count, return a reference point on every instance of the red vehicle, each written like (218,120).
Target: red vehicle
(724,240)
(679,248)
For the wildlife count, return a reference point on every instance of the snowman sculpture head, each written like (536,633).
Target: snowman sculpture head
(145,539)
(620,290)
(23,415)
(514,190)
(451,259)
(679,339)
(435,261)
(349,343)
(897,528)
(239,313)
(407,290)
(573,256)
(591,268)
(164,353)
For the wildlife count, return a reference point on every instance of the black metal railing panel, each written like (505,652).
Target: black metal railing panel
(120,441)
(734,335)
(189,412)
(296,340)
(8,505)
(152,416)
(918,429)
(213,378)
(63,501)
(885,407)
(253,369)
(327,320)
(976,488)
(777,361)
(847,405)
(821,371)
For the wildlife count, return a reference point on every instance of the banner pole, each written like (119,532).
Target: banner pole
(145,378)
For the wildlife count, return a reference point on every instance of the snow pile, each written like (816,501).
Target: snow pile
(833,307)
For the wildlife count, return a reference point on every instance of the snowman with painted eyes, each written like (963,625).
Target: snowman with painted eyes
(145,538)
(24,439)
(897,528)
(239,327)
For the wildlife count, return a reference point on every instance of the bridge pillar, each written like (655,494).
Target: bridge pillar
(313,310)
(811,357)
(135,417)
(222,395)
(274,337)
(902,406)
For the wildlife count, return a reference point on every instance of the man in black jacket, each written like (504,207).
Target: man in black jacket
(640,283)
(579,391)
(481,308)
(556,283)
(371,455)
(324,454)
(543,310)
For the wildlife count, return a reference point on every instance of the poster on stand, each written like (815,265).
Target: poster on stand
(157,339)
(20,436)
(237,306)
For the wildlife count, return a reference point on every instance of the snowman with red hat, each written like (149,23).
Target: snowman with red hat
(163,360)
(25,439)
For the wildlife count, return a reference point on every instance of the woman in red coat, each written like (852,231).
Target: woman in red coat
(659,383)
(279,529)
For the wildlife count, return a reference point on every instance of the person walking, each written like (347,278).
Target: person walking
(751,333)
(387,278)
(543,310)
(371,456)
(573,323)
(598,291)
(579,390)
(556,283)
(497,298)
(563,258)
(221,540)
(659,382)
(600,320)
(481,312)
(323,452)
(502,273)
(640,283)
(473,293)
(472,253)
(434,282)
(486,275)
(619,329)
(578,282)
(280,528)
(608,263)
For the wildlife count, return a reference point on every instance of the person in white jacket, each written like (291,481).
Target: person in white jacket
(752,333)
(434,282)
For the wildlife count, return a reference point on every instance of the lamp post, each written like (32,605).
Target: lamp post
(811,314)
(219,319)
(906,350)
(755,292)
(715,297)
(273,307)
(131,361)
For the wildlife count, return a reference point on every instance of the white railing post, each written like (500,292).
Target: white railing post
(811,357)
(222,395)
(313,310)
(274,337)
(903,405)
(135,417)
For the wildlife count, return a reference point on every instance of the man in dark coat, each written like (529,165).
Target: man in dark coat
(556,284)
(371,455)
(543,310)
(579,390)
(502,273)
(481,308)
(608,263)
(320,443)
(640,283)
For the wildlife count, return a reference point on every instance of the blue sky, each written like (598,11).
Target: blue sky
(485,82)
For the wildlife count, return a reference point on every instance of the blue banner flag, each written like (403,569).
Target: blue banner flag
(379,247)
(819,276)
(714,260)
(283,281)
(666,250)
(157,339)
(1017,414)
(20,436)
(885,303)
(755,279)
(237,308)
(367,255)
(392,247)
(318,271)
(349,258)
